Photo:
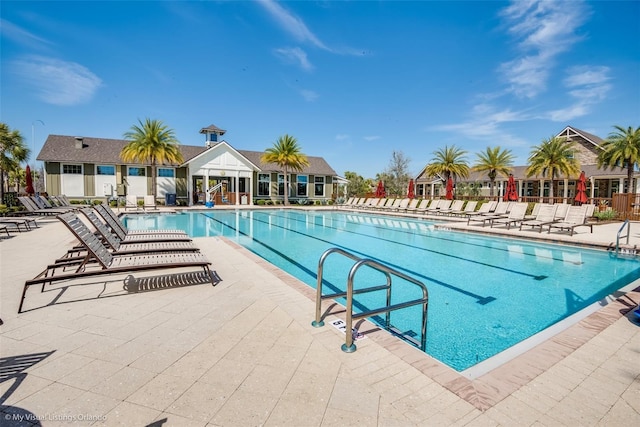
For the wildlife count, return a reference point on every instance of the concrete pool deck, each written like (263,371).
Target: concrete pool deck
(244,353)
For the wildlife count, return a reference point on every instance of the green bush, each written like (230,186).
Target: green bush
(259,202)
(113,203)
(606,215)
(97,202)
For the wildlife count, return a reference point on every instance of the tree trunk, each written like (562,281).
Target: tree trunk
(493,185)
(286,188)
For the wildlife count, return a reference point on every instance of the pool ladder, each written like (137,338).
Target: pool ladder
(349,346)
(626,225)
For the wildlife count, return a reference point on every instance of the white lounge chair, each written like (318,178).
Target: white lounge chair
(545,216)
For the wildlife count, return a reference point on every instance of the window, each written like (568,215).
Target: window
(105,170)
(133,171)
(263,184)
(319,186)
(72,169)
(302,185)
(280,185)
(166,173)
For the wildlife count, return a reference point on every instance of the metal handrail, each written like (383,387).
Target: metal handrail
(349,346)
(627,224)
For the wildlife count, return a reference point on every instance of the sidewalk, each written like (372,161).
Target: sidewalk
(245,353)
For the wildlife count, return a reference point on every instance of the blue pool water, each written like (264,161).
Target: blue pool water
(486,294)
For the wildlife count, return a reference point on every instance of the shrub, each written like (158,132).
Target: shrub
(608,215)
(260,202)
(97,202)
(113,203)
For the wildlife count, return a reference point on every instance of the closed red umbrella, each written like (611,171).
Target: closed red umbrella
(581,189)
(511,194)
(29,188)
(411,193)
(380,190)
(449,189)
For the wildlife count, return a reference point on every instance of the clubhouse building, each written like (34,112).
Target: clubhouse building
(91,168)
(600,183)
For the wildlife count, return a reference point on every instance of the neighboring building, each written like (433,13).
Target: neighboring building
(601,183)
(92,168)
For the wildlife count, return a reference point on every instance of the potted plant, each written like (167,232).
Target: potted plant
(602,205)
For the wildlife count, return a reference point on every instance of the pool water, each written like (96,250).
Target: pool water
(486,294)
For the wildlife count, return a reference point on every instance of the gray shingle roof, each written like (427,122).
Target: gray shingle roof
(61,148)
(213,129)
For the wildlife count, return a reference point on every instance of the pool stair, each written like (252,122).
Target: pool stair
(349,346)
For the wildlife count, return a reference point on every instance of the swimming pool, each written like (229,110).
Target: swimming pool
(486,294)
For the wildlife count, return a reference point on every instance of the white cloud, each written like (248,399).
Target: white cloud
(484,124)
(57,82)
(371,138)
(342,137)
(584,75)
(19,35)
(544,29)
(292,24)
(588,85)
(295,55)
(309,95)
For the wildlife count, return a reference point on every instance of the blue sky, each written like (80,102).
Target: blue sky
(352,81)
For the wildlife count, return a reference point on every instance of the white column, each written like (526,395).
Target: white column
(206,185)
(592,180)
(251,189)
(566,188)
(189,188)
(237,186)
(620,186)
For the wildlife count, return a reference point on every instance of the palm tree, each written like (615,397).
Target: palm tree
(448,162)
(494,161)
(152,143)
(553,158)
(13,151)
(286,154)
(621,148)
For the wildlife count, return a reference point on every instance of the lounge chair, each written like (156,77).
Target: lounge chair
(131,202)
(375,203)
(534,212)
(485,209)
(383,202)
(468,208)
(122,232)
(149,203)
(43,203)
(414,208)
(99,260)
(412,205)
(576,217)
(563,209)
(392,206)
(32,208)
(545,216)
(435,205)
(455,206)
(5,229)
(369,203)
(402,206)
(19,222)
(516,215)
(167,244)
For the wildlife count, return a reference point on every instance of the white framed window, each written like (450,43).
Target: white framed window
(105,170)
(318,186)
(166,172)
(264,182)
(137,171)
(72,169)
(303,181)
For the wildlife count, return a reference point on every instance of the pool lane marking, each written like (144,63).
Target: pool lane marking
(535,277)
(463,242)
(479,299)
